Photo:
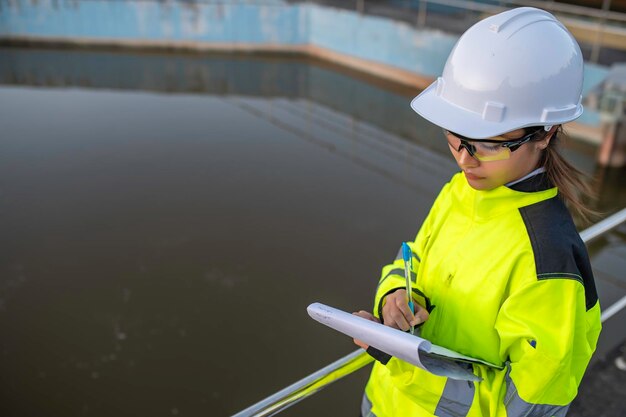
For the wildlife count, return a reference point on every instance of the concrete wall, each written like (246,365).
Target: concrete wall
(381,46)
(173,21)
(398,44)
(269,24)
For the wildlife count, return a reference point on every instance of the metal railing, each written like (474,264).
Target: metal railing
(598,28)
(354,361)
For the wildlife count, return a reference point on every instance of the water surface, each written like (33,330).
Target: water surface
(166,219)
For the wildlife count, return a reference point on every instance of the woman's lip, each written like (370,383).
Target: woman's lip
(471,176)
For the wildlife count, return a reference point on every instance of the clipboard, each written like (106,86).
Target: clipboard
(405,346)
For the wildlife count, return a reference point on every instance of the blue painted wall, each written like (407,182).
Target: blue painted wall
(268,22)
(381,40)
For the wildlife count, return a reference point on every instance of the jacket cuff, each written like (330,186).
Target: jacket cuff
(379,355)
(381,301)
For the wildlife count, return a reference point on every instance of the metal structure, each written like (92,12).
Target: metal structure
(597,27)
(356,360)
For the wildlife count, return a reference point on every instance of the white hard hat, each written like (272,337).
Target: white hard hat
(516,69)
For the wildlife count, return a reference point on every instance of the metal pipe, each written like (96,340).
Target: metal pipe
(358,359)
(308,386)
(360,6)
(582,11)
(603,226)
(421,13)
(613,309)
(595,50)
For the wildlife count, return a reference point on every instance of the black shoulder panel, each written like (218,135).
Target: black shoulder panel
(557,246)
(539,182)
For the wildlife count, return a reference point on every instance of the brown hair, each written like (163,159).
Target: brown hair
(574,186)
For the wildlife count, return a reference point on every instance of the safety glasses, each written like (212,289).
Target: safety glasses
(486,150)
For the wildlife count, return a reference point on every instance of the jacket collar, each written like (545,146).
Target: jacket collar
(539,182)
(484,205)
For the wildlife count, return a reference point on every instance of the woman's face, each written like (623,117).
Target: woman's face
(489,175)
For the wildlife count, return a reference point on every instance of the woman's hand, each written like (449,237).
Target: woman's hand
(368,316)
(397,314)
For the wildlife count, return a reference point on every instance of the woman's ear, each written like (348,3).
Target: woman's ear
(543,143)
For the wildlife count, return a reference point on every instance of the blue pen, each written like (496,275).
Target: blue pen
(407,256)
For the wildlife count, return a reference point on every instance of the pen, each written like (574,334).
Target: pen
(407,256)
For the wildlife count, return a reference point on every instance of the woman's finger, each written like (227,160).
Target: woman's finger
(365,315)
(403,306)
(421,315)
(360,344)
(398,318)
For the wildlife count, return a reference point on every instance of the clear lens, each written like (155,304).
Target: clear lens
(480,150)
(491,152)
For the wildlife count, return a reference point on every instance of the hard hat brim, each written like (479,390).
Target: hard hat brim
(442,113)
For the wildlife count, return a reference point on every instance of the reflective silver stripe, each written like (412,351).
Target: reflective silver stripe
(399,272)
(366,407)
(516,407)
(456,399)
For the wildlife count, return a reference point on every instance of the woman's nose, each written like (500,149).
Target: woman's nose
(466,160)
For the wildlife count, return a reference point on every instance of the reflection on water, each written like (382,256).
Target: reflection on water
(159,250)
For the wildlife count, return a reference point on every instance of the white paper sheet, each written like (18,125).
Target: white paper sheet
(410,348)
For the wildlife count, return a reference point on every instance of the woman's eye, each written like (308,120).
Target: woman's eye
(490,146)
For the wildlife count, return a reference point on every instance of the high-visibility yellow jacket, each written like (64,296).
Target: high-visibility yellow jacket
(511,283)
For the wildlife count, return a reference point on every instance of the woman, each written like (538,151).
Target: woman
(498,256)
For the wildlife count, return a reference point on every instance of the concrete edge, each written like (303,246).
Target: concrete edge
(133,44)
(591,134)
(377,69)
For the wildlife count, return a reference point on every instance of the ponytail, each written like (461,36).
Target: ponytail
(574,185)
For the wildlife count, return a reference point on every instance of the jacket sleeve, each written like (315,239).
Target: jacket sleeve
(392,279)
(392,276)
(549,335)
